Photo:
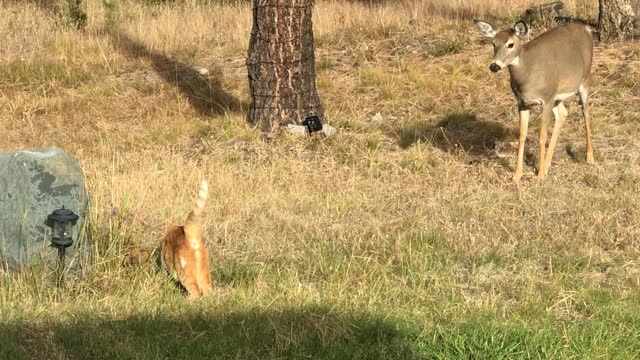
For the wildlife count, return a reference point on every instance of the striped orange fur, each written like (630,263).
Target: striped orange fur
(184,253)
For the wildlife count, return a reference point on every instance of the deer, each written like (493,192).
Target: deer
(544,71)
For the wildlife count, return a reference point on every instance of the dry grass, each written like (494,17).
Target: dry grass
(406,216)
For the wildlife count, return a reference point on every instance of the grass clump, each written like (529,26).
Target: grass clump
(449,47)
(44,72)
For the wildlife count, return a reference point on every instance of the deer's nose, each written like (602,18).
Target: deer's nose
(494,67)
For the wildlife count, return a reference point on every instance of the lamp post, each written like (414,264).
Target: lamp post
(61,221)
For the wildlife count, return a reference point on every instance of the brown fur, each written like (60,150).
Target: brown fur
(545,71)
(184,252)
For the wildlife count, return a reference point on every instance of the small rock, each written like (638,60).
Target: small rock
(328,130)
(302,131)
(376,118)
(202,71)
(298,130)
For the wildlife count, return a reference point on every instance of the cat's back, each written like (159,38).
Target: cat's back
(172,244)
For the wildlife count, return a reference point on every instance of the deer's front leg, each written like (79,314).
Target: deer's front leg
(524,126)
(560,114)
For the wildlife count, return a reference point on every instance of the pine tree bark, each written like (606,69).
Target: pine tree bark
(281,65)
(619,20)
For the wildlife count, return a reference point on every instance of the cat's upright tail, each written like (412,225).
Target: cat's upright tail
(193,224)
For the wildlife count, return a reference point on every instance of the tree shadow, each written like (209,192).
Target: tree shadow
(204,91)
(456,132)
(203,332)
(49,6)
(70,12)
(436,9)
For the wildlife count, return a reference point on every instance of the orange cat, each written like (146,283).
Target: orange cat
(184,253)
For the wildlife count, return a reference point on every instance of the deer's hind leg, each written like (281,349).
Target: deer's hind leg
(584,103)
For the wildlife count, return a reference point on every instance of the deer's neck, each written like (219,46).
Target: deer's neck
(517,69)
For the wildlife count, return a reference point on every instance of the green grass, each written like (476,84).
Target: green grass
(226,331)
(381,298)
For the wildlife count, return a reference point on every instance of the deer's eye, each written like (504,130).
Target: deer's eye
(510,46)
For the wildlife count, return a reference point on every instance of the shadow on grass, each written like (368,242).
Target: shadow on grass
(211,334)
(204,92)
(49,6)
(455,132)
(436,9)
(314,332)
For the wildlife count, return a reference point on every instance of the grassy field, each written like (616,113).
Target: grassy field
(400,237)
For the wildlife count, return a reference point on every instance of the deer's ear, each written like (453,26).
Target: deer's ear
(521,29)
(485,28)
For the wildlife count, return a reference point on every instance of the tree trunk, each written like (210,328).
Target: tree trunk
(281,65)
(619,19)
